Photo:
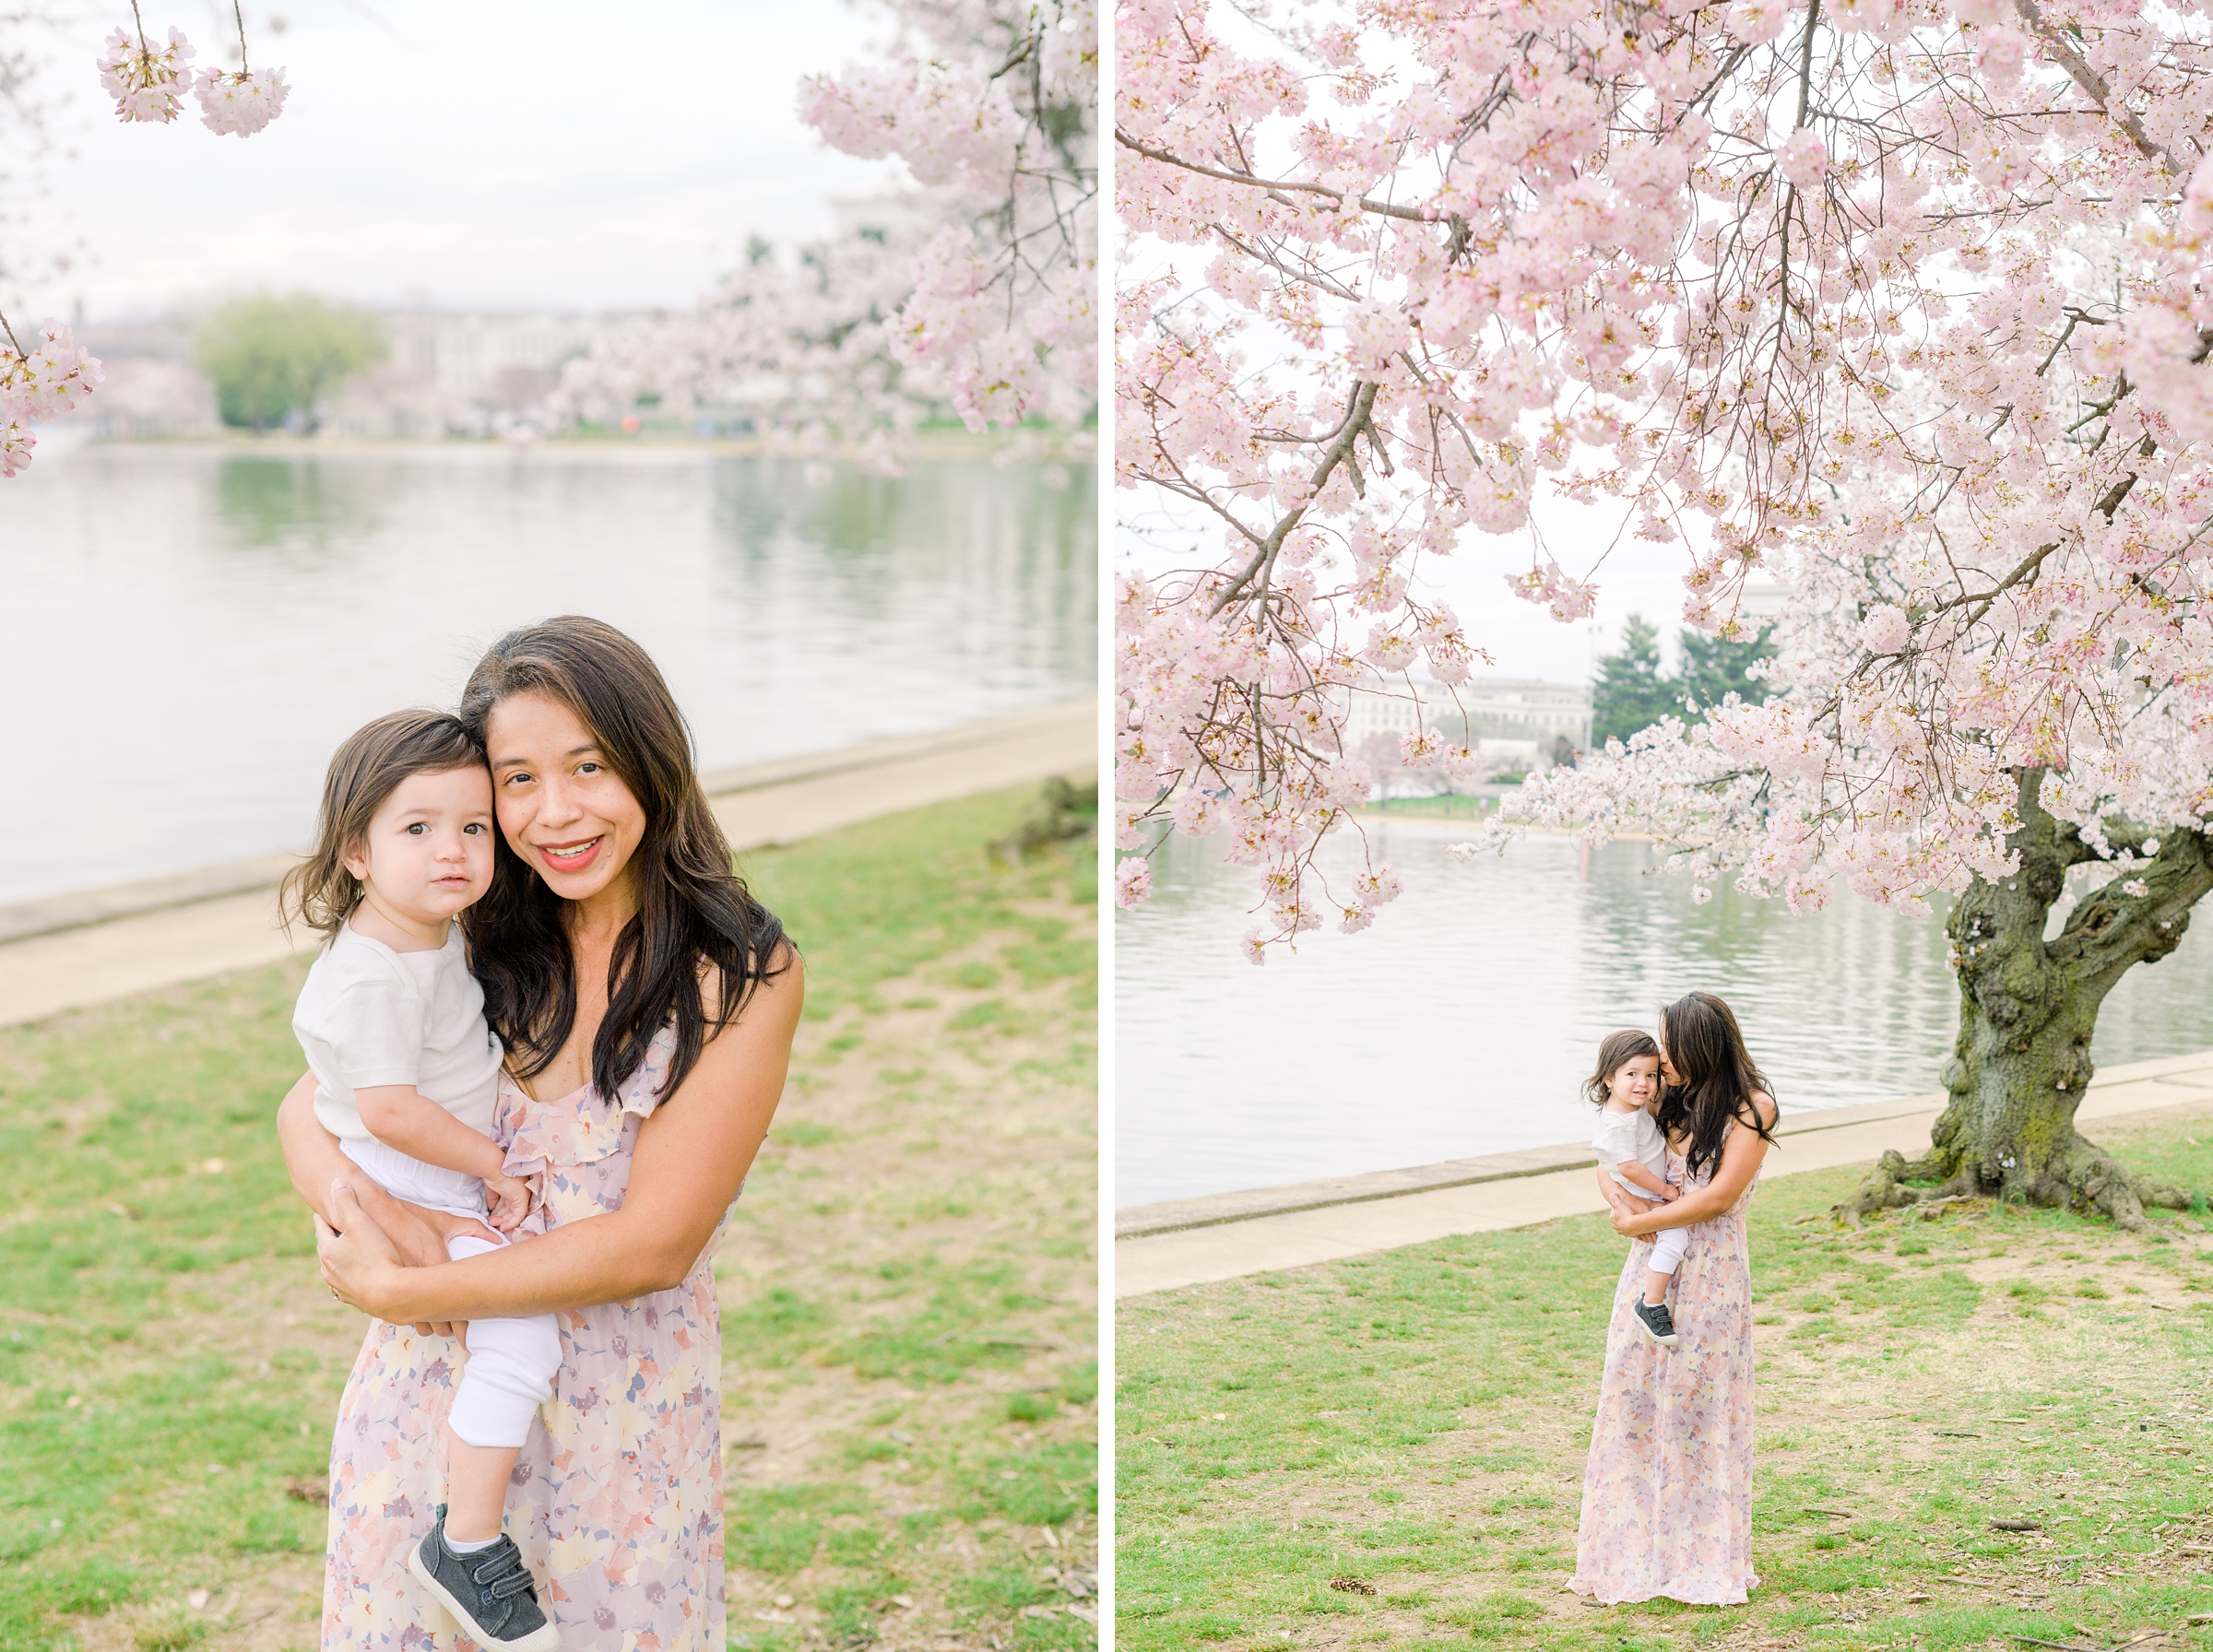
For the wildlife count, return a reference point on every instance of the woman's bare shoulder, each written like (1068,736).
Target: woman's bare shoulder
(783,982)
(1764,1104)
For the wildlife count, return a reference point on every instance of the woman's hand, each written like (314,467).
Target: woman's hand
(417,1236)
(1634,1217)
(410,1235)
(362,1262)
(1621,1204)
(1617,1198)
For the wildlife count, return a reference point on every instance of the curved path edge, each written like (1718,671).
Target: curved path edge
(1196,1242)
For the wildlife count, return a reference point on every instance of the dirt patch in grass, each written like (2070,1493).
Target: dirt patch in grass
(269,1608)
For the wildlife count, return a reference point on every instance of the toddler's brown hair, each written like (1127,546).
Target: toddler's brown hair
(1618,1050)
(366,769)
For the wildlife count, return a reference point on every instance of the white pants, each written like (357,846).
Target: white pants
(1668,1243)
(511,1363)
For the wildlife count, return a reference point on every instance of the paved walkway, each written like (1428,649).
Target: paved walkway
(87,947)
(1168,1246)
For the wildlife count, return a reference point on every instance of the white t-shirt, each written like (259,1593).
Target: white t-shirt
(370,1016)
(1621,1136)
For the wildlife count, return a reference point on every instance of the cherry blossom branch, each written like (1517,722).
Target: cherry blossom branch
(2093,83)
(1340,451)
(1277,189)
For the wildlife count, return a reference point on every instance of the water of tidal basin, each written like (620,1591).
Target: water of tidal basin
(190,632)
(1465,1021)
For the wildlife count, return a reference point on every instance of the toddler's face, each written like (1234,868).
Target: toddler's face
(1636,1081)
(428,850)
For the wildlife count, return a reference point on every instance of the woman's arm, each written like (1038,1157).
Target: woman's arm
(406,1234)
(690,1158)
(312,1156)
(1622,1201)
(1740,1156)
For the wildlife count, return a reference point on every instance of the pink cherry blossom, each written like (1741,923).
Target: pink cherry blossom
(1886,628)
(240,102)
(146,82)
(16,444)
(1198,814)
(1760,21)
(2004,51)
(801,342)
(1133,880)
(1804,160)
(993,104)
(50,377)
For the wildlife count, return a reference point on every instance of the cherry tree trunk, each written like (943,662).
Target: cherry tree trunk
(2027,1008)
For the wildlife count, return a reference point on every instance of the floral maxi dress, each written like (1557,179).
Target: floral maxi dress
(617,1499)
(1667,1494)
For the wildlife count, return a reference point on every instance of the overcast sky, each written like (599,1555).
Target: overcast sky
(489,154)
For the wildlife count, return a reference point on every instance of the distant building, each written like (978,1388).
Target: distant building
(1487,709)
(1762,602)
(462,373)
(150,386)
(1515,723)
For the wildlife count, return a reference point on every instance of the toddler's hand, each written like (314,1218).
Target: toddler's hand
(1670,1193)
(509,1198)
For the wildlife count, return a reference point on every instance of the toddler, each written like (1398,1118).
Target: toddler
(1626,1088)
(406,1074)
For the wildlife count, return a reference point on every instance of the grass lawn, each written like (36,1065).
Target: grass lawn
(1416,1424)
(907,1287)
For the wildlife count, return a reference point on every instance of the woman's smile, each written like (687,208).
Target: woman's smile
(572,857)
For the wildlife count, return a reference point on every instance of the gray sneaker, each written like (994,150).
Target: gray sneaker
(1657,1322)
(491,1593)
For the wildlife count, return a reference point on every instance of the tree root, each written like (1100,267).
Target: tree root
(1891,1187)
(2086,1178)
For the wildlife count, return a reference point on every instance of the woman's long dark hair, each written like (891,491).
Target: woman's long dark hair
(693,911)
(1714,1080)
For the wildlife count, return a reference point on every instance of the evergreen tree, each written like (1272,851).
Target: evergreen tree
(1713,666)
(1630,694)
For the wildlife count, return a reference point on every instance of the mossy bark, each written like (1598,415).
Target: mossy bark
(2027,1008)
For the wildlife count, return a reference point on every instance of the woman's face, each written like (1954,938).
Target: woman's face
(1667,1067)
(561,807)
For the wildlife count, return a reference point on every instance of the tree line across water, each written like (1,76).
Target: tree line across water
(273,358)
